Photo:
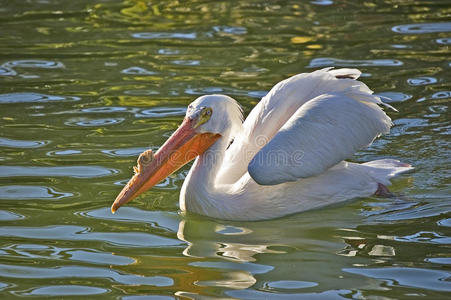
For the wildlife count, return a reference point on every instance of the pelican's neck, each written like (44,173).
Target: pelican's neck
(200,185)
(207,165)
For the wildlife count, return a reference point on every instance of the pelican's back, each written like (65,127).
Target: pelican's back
(276,108)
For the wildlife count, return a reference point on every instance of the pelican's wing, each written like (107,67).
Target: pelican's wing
(324,131)
(276,108)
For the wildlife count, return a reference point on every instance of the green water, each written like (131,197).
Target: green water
(86,86)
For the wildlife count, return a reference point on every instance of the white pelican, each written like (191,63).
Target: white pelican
(287,156)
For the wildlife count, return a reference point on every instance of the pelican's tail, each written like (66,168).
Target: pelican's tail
(384,169)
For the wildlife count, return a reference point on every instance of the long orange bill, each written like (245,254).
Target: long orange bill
(182,147)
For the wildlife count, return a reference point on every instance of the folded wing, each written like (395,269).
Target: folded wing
(322,132)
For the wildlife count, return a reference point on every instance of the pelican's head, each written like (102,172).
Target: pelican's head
(207,119)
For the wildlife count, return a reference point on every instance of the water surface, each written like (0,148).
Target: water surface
(86,86)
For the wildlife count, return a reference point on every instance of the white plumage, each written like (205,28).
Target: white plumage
(293,143)
(288,155)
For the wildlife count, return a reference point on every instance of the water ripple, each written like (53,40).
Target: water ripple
(165,35)
(414,277)
(4,71)
(85,122)
(69,171)
(15,271)
(31,63)
(439,260)
(99,258)
(65,290)
(63,152)
(9,216)
(252,268)
(78,233)
(441,95)
(421,81)
(125,152)
(289,284)
(169,221)
(10,143)
(256,294)
(224,90)
(391,97)
(185,62)
(137,71)
(322,2)
(444,41)
(421,28)
(162,112)
(230,30)
(329,62)
(33,97)
(30,192)
(425,237)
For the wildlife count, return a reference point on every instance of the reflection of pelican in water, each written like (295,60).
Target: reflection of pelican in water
(288,156)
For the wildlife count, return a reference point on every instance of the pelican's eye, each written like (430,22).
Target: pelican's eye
(204,116)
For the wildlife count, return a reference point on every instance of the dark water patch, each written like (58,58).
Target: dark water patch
(420,28)
(69,171)
(435,280)
(33,98)
(16,271)
(65,290)
(31,63)
(25,192)
(78,233)
(335,62)
(86,122)
(165,35)
(137,71)
(12,143)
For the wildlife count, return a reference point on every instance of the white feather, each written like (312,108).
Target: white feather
(317,115)
(323,132)
(277,107)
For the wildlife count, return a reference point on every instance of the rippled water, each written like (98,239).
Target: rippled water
(85,87)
